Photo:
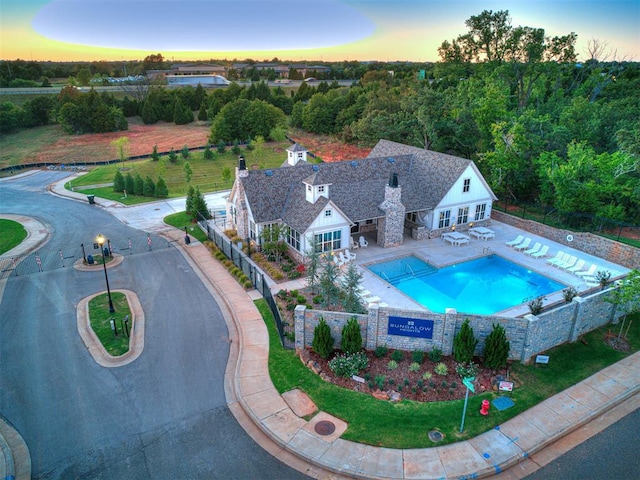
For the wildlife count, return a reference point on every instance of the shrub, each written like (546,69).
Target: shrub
(380,381)
(496,348)
(464,343)
(417,356)
(235,149)
(444,384)
(185,152)
(348,365)
(406,381)
(420,383)
(381,351)
(221,147)
(392,365)
(173,156)
(435,355)
(397,355)
(392,381)
(432,384)
(535,305)
(468,370)
(317,299)
(427,375)
(293,275)
(351,337)
(414,367)
(569,293)
(322,340)
(441,369)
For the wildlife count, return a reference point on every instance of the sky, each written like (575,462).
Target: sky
(294,30)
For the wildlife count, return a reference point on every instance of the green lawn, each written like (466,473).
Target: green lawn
(99,318)
(181,220)
(406,424)
(22,146)
(13,234)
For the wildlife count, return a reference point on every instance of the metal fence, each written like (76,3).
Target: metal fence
(65,256)
(252,271)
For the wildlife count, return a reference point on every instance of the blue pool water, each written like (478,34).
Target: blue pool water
(483,286)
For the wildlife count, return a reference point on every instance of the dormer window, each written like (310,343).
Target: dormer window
(466,185)
(321,189)
(327,212)
(308,188)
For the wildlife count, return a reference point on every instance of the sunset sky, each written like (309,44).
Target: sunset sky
(329,30)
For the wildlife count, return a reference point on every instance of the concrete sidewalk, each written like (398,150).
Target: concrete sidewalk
(276,421)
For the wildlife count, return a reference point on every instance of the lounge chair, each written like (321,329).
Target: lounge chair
(343,258)
(569,263)
(534,249)
(350,256)
(337,261)
(515,242)
(363,242)
(588,273)
(541,253)
(577,267)
(558,259)
(523,245)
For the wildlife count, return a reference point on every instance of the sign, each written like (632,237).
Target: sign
(357,378)
(544,359)
(505,386)
(468,382)
(410,327)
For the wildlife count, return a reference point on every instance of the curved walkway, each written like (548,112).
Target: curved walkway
(274,424)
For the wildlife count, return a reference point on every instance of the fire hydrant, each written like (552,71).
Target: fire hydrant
(485,407)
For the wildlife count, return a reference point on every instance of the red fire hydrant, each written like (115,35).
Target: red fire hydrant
(485,407)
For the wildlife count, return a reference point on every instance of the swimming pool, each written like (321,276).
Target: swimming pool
(484,286)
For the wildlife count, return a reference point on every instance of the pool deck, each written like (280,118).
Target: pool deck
(439,253)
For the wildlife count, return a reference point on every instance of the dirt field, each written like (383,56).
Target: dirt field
(328,148)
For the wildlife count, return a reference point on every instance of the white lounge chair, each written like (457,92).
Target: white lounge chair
(577,267)
(350,256)
(569,263)
(343,258)
(337,261)
(588,273)
(558,257)
(534,249)
(363,242)
(515,242)
(541,253)
(557,261)
(523,245)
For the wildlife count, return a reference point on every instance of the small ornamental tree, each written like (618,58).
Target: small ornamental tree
(207,154)
(185,152)
(322,340)
(351,337)
(351,290)
(222,147)
(312,265)
(149,187)
(138,185)
(129,184)
(464,343)
(202,113)
(161,189)
(189,203)
(188,172)
(173,157)
(236,148)
(155,156)
(200,207)
(496,348)
(118,182)
(226,174)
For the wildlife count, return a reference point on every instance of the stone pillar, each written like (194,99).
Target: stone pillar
(531,339)
(372,326)
(448,331)
(298,314)
(391,227)
(578,315)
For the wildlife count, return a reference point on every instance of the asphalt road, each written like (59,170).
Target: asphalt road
(162,416)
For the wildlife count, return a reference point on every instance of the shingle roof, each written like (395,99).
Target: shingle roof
(356,186)
(296,147)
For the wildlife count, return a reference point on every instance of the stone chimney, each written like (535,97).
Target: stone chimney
(391,227)
(241,169)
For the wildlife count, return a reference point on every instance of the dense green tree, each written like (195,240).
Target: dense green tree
(464,343)
(322,342)
(149,188)
(188,172)
(173,156)
(351,337)
(202,112)
(351,287)
(118,182)
(207,154)
(245,119)
(182,114)
(138,185)
(496,348)
(189,205)
(130,184)
(200,208)
(155,156)
(161,189)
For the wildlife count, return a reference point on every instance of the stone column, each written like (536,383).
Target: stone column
(391,227)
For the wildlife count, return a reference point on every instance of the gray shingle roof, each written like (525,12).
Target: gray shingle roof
(356,186)
(296,147)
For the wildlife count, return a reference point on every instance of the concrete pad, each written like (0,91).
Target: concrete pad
(265,404)
(496,447)
(340,425)
(587,396)
(284,425)
(566,406)
(251,385)
(344,456)
(309,446)
(526,435)
(255,352)
(255,368)
(545,419)
(299,402)
(382,463)
(629,377)
(423,463)
(605,385)
(461,460)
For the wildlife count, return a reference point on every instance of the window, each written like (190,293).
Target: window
(327,212)
(481,211)
(412,216)
(252,230)
(308,188)
(293,238)
(329,241)
(463,214)
(321,189)
(466,185)
(300,155)
(445,219)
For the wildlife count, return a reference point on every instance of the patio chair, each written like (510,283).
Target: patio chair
(343,258)
(350,256)
(557,258)
(541,253)
(577,267)
(337,261)
(523,245)
(363,242)
(515,242)
(569,263)
(587,273)
(534,249)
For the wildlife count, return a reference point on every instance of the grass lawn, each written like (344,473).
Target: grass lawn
(406,424)
(24,146)
(181,220)
(13,234)
(99,317)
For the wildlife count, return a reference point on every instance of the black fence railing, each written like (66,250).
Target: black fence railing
(242,261)
(580,222)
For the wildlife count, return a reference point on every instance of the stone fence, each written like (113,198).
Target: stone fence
(595,245)
(419,330)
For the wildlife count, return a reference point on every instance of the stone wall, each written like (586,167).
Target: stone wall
(596,245)
(527,336)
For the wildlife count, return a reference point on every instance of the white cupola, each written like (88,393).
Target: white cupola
(296,153)
(315,187)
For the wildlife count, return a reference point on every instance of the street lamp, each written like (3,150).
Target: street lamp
(100,239)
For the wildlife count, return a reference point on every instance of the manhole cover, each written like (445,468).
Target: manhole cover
(325,427)
(435,436)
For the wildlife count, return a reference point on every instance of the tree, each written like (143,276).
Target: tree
(221,147)
(626,295)
(149,188)
(153,62)
(182,113)
(351,337)
(154,155)
(208,154)
(122,149)
(464,343)
(351,290)
(189,202)
(225,174)
(184,153)
(173,156)
(138,186)
(130,184)
(322,342)
(202,112)
(273,244)
(245,119)
(329,276)
(200,208)
(312,265)
(187,172)
(161,189)
(118,182)
(496,348)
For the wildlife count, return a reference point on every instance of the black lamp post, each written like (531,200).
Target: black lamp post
(100,239)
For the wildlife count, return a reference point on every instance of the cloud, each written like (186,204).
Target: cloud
(202,25)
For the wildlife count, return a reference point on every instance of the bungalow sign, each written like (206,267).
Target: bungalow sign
(410,327)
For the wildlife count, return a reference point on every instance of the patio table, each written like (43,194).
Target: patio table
(455,238)
(482,233)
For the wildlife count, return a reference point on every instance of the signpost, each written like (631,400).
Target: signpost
(467,382)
